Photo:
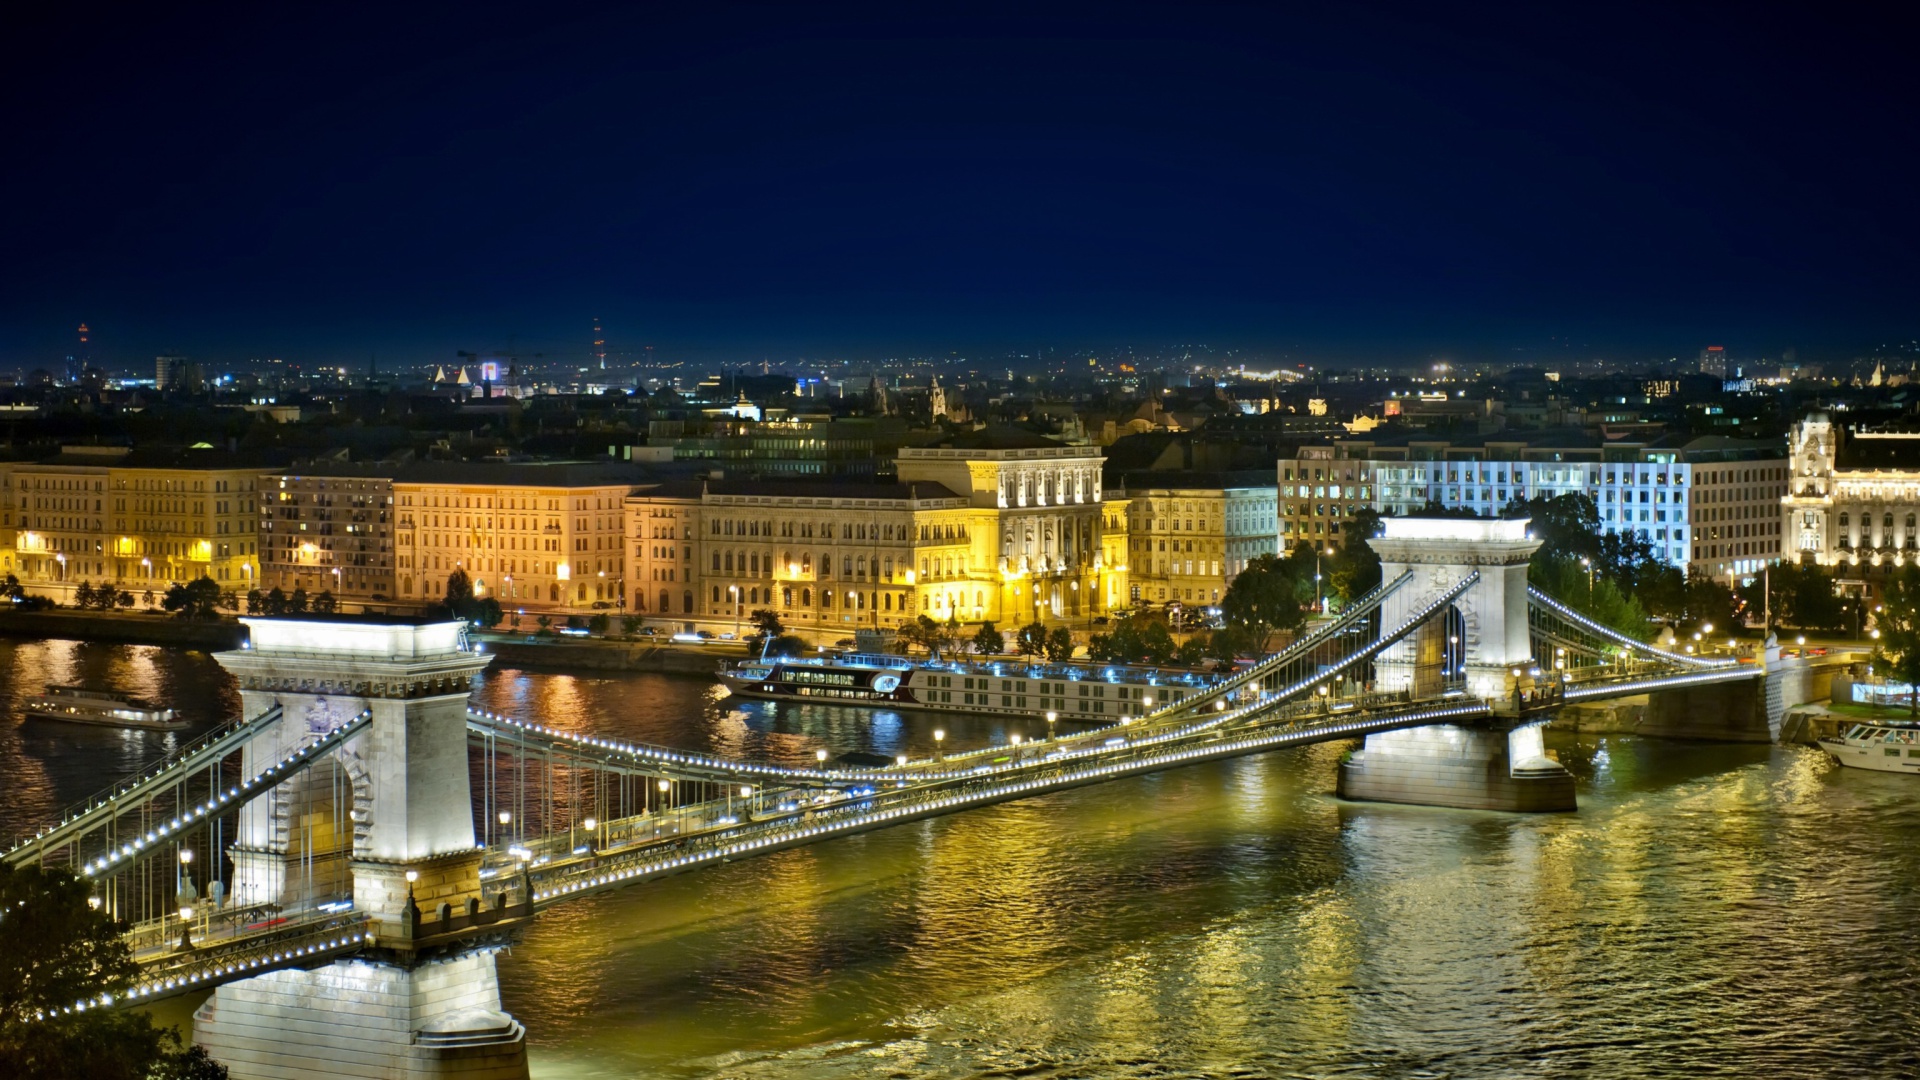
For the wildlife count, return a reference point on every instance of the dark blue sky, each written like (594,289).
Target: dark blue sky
(788,179)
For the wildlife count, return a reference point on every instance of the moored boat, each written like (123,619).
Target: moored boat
(1882,747)
(109,708)
(1071,691)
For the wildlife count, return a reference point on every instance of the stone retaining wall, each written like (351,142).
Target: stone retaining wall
(129,629)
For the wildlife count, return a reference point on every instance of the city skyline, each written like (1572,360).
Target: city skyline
(1346,188)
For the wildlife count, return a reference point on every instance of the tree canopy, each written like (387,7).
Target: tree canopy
(463,602)
(988,641)
(1569,530)
(1270,595)
(1136,639)
(1897,650)
(1355,569)
(56,951)
(197,599)
(1804,595)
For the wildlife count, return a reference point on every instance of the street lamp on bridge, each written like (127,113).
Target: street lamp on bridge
(187,895)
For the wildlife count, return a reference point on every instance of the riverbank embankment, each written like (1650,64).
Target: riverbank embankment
(124,628)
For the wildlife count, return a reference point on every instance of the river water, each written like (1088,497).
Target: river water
(1711,910)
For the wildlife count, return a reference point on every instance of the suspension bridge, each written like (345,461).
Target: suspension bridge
(361,840)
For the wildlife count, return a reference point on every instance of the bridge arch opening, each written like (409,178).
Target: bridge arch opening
(1440,653)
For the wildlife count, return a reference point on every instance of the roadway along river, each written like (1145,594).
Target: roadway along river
(1711,910)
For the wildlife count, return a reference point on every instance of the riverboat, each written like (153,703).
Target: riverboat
(84,705)
(1072,692)
(1882,747)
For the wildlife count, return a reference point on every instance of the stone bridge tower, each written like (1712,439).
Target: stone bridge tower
(1479,644)
(389,822)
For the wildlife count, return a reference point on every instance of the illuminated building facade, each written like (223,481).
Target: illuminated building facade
(1709,504)
(1037,512)
(328,528)
(1189,534)
(826,557)
(1854,497)
(532,536)
(1002,528)
(1319,492)
(138,519)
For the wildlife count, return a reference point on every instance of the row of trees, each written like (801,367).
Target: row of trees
(202,598)
(1143,638)
(1616,577)
(948,637)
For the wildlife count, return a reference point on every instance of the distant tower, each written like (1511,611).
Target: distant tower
(938,399)
(599,345)
(77,363)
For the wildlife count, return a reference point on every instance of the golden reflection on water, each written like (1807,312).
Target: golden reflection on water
(1729,910)
(46,766)
(1237,917)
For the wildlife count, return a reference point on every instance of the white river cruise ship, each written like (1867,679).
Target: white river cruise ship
(1084,692)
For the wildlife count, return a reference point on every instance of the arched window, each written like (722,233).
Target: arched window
(686,601)
(1844,520)
(806,562)
(786,597)
(1887,521)
(806,597)
(666,602)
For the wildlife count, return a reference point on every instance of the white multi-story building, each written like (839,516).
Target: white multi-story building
(1707,505)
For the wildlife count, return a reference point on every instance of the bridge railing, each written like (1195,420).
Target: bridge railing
(1536,597)
(1644,683)
(209,748)
(1030,775)
(692,823)
(233,797)
(1349,617)
(660,761)
(310,941)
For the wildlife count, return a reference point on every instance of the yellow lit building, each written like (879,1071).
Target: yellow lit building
(538,537)
(1036,523)
(1003,529)
(328,527)
(827,556)
(1190,534)
(140,519)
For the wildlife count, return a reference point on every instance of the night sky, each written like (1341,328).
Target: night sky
(790,180)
